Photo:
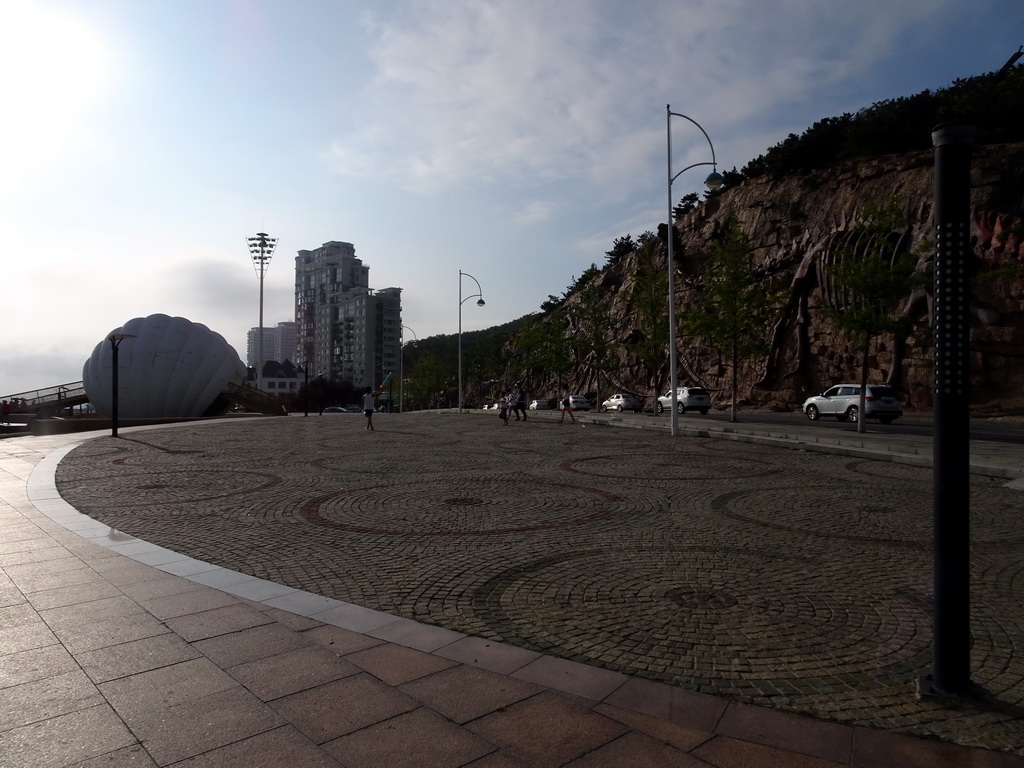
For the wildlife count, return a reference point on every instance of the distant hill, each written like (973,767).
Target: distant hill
(794,203)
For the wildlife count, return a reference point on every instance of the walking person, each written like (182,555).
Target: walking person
(520,404)
(503,407)
(567,408)
(368,407)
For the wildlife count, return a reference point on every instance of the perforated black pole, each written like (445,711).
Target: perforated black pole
(951,448)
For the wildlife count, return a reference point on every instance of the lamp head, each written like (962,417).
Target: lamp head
(480,302)
(714,181)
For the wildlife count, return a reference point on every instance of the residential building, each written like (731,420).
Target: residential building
(278,343)
(279,378)
(344,329)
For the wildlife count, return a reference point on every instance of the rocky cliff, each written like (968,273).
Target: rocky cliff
(793,224)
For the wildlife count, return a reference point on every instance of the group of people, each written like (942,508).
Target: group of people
(511,404)
(514,403)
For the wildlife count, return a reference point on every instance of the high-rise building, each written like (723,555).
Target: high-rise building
(344,329)
(278,343)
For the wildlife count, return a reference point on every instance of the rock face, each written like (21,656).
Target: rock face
(793,223)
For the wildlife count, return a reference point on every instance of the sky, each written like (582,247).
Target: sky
(142,142)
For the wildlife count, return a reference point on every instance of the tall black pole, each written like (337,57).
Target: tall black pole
(305,390)
(114,344)
(951,448)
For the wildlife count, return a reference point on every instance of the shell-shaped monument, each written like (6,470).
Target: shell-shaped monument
(167,367)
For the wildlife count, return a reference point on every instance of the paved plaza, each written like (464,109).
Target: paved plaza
(793,579)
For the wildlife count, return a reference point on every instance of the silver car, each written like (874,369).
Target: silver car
(687,399)
(843,402)
(623,402)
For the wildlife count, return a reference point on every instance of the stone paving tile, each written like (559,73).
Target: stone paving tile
(250,644)
(200,725)
(463,693)
(343,706)
(101,634)
(559,730)
(127,659)
(71,739)
(35,664)
(417,739)
(271,749)
(46,698)
(395,665)
(165,687)
(680,737)
(286,673)
(217,621)
(101,609)
(82,593)
(724,752)
(341,641)
(636,751)
(800,581)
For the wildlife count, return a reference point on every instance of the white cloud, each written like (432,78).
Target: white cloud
(531,93)
(52,69)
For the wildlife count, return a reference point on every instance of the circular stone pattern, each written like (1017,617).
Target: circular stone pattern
(710,617)
(464,506)
(670,467)
(882,514)
(173,487)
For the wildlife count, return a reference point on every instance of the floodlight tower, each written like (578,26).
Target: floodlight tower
(261,247)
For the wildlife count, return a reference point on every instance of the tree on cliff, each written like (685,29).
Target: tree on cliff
(871,273)
(649,301)
(735,309)
(426,380)
(541,345)
(590,321)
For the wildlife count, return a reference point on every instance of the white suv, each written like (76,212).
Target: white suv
(843,402)
(687,399)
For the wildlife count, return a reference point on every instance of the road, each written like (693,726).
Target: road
(1009,430)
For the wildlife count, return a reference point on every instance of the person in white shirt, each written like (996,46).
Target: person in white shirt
(368,407)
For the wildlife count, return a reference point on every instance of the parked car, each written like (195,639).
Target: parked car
(843,402)
(687,399)
(579,403)
(539,405)
(335,409)
(623,402)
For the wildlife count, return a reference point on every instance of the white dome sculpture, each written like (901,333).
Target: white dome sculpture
(172,368)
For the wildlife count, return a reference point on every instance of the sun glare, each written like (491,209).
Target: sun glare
(52,68)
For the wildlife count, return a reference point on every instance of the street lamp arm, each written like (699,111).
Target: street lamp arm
(687,117)
(695,165)
(480,290)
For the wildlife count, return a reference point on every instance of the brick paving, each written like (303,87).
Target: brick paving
(790,579)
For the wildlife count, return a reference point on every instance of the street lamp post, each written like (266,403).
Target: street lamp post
(261,247)
(713,181)
(480,303)
(115,340)
(401,365)
(951,506)
(305,389)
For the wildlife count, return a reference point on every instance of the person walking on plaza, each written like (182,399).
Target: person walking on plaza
(503,409)
(368,408)
(520,404)
(567,408)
